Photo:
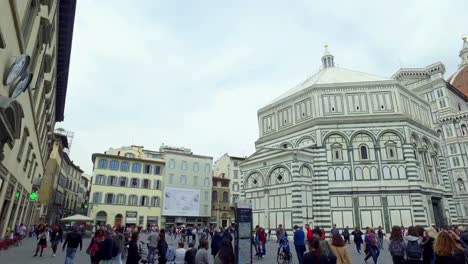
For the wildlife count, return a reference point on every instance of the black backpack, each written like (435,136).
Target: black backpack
(413,250)
(115,249)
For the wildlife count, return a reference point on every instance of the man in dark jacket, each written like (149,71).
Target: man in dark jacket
(346,235)
(299,242)
(190,254)
(107,247)
(227,235)
(216,242)
(72,242)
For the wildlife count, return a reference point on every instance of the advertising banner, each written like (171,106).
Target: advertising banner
(181,202)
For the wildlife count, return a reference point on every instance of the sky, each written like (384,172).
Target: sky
(195,73)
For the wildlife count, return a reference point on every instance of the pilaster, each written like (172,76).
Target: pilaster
(321,191)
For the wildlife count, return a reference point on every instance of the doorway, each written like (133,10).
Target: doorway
(437,208)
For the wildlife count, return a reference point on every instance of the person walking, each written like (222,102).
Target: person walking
(225,254)
(180,254)
(55,237)
(315,254)
(334,230)
(119,240)
(372,247)
(299,242)
(380,236)
(309,232)
(324,246)
(215,242)
(260,239)
(357,238)
(107,247)
(94,247)
(346,235)
(133,256)
(397,247)
(152,245)
(413,245)
(340,250)
(72,242)
(202,254)
(190,254)
(447,249)
(42,238)
(428,245)
(280,233)
(162,247)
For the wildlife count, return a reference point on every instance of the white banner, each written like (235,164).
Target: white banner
(181,202)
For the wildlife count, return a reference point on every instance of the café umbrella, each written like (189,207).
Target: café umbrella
(78,218)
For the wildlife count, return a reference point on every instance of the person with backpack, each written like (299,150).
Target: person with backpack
(325,248)
(372,247)
(413,245)
(338,246)
(162,247)
(94,247)
(397,246)
(315,254)
(357,238)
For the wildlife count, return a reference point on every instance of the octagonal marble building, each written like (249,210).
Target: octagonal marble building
(348,148)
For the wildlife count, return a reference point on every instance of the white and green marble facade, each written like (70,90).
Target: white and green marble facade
(348,148)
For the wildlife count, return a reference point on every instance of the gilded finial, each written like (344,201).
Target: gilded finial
(325,45)
(465,38)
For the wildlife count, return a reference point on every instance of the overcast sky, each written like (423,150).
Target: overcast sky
(194,73)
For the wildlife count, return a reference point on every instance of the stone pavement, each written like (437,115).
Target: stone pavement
(23,254)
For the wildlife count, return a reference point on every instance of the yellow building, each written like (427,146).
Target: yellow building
(35,45)
(222,211)
(127,187)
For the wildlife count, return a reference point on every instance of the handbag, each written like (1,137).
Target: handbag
(331,256)
(92,249)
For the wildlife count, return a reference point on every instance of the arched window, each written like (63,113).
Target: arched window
(97,197)
(114,165)
(144,200)
(100,179)
(461,185)
(214,197)
(464,130)
(136,167)
(23,143)
(102,164)
(109,198)
(225,197)
(123,181)
(124,166)
(133,200)
(391,148)
(157,184)
(364,152)
(158,201)
(279,175)
(459,106)
(121,199)
(153,201)
(336,152)
(305,171)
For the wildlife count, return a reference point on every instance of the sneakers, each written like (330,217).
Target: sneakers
(53,255)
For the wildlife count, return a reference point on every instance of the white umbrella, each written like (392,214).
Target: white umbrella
(78,218)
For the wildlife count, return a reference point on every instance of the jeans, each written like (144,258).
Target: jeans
(358,247)
(70,257)
(118,259)
(151,254)
(381,243)
(372,252)
(300,252)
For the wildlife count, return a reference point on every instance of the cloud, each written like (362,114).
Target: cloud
(195,74)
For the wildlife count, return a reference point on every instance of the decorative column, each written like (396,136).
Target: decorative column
(378,157)
(351,162)
(8,213)
(5,183)
(412,175)
(321,191)
(296,194)
(410,160)
(448,189)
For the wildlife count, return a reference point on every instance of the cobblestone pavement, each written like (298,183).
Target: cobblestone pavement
(23,254)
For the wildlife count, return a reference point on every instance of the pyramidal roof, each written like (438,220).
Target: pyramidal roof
(330,74)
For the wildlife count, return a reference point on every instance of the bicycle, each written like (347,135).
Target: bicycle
(284,252)
(142,252)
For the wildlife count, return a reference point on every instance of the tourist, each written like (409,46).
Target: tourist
(190,254)
(315,254)
(346,235)
(133,256)
(260,239)
(324,246)
(152,245)
(94,247)
(380,236)
(162,247)
(72,242)
(397,246)
(309,232)
(215,242)
(180,254)
(31,230)
(280,233)
(226,235)
(357,238)
(55,237)
(106,247)
(447,249)
(428,245)
(119,240)
(299,242)
(340,250)
(202,254)
(372,248)
(334,230)
(42,237)
(413,246)
(226,254)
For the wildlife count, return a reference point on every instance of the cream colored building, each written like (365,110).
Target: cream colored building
(229,165)
(42,32)
(127,187)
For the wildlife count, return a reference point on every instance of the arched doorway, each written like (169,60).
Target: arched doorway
(118,220)
(224,221)
(101,218)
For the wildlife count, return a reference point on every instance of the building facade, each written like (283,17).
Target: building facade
(222,211)
(127,187)
(348,148)
(83,194)
(189,173)
(449,115)
(35,37)
(229,165)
